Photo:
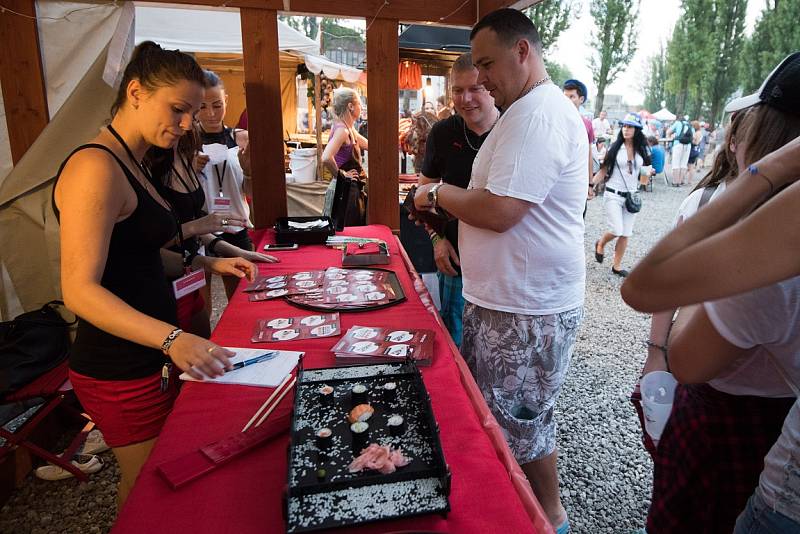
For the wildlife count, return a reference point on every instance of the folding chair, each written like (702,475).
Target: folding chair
(53,386)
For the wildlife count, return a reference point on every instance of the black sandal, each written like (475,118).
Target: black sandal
(622,272)
(597,256)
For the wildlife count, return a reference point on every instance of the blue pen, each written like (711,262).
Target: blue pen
(258,359)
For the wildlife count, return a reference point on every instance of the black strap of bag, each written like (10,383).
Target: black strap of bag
(633,200)
(32,344)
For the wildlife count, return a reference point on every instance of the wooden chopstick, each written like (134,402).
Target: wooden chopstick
(277,402)
(266,403)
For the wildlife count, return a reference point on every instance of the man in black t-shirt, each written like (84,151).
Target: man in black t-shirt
(449,152)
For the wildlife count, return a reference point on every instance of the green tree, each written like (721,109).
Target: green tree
(724,51)
(552,18)
(613,41)
(775,36)
(655,83)
(558,72)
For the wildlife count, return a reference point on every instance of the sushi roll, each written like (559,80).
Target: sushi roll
(361,412)
(396,425)
(360,431)
(326,394)
(324,438)
(390,391)
(358,394)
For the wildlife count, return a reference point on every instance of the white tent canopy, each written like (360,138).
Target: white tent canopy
(205,30)
(664,114)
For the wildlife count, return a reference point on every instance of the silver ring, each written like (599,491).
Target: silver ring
(224,222)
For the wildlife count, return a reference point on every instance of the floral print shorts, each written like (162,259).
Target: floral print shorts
(520,362)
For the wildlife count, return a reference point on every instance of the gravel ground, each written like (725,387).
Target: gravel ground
(605,472)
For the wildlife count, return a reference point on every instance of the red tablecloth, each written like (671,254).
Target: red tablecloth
(488,489)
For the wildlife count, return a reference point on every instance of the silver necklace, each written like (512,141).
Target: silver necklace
(534,86)
(466,137)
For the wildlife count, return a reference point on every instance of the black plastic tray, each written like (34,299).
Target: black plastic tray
(397,287)
(342,498)
(315,236)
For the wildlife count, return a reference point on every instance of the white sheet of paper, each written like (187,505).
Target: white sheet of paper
(216,152)
(267,374)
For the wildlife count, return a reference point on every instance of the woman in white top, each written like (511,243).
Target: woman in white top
(620,171)
(748,222)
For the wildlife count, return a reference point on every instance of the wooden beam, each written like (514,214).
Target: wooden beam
(382,60)
(448,12)
(262,85)
(487,6)
(22,77)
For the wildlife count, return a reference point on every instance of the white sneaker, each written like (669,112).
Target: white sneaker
(87,463)
(94,444)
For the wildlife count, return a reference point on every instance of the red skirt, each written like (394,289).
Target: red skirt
(126,411)
(188,307)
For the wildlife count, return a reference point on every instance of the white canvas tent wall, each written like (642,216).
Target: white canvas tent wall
(74,38)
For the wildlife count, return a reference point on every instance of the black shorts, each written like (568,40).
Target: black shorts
(239,239)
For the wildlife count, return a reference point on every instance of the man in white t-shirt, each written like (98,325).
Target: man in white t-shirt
(521,242)
(601,126)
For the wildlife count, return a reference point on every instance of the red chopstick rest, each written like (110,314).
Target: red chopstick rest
(181,471)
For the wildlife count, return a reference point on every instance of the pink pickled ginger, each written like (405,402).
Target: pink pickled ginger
(383,459)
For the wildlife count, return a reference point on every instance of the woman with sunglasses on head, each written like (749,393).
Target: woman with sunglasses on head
(745,333)
(620,171)
(114,225)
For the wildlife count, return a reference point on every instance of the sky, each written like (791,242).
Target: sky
(656,21)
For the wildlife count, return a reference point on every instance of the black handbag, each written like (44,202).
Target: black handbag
(32,344)
(633,202)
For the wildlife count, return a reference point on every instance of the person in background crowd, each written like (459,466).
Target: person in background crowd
(114,225)
(657,157)
(702,146)
(694,152)
(620,172)
(575,90)
(345,145)
(429,107)
(452,146)
(746,328)
(523,211)
(600,125)
(226,182)
(443,111)
(681,134)
(415,140)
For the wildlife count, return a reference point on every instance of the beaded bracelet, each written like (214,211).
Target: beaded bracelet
(169,340)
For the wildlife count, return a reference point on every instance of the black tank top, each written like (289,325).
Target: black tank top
(133,272)
(226,137)
(187,205)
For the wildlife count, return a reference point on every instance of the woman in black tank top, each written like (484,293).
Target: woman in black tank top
(114,224)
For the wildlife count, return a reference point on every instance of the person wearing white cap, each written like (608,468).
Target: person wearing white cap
(620,170)
(748,325)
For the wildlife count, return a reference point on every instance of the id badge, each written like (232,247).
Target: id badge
(221,204)
(189,283)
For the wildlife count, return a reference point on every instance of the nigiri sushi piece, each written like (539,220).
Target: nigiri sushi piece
(361,412)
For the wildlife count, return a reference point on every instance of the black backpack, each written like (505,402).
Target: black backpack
(686,134)
(32,344)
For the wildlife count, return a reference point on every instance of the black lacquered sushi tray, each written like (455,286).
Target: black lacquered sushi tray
(338,413)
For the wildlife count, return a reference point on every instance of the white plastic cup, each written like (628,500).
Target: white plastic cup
(658,391)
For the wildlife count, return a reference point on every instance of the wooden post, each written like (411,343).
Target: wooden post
(22,77)
(262,83)
(318,120)
(383,56)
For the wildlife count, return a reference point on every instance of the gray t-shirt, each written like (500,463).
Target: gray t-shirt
(769,317)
